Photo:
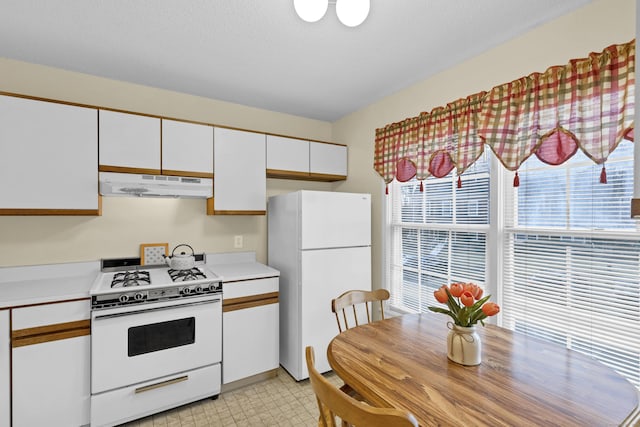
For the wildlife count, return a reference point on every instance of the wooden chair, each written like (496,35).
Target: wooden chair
(357,299)
(332,402)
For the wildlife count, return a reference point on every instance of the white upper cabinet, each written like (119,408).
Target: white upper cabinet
(287,155)
(48,158)
(187,149)
(240,183)
(327,159)
(129,143)
(291,158)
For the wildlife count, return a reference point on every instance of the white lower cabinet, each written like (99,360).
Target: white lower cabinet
(51,383)
(51,365)
(5,369)
(250,328)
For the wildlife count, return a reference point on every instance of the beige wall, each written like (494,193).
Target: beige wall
(589,29)
(126,223)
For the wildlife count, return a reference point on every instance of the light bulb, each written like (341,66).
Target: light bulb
(311,10)
(352,12)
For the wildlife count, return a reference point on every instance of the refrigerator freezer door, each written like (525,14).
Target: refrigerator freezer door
(325,275)
(335,220)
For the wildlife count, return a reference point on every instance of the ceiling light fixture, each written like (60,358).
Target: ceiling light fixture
(350,12)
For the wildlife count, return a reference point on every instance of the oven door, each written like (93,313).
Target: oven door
(134,344)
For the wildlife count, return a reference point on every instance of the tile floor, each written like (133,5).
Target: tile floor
(279,401)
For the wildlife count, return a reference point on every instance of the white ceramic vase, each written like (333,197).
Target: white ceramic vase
(464,345)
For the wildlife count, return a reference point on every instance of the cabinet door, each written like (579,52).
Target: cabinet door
(250,343)
(53,376)
(287,157)
(187,149)
(129,143)
(5,370)
(48,158)
(328,159)
(240,183)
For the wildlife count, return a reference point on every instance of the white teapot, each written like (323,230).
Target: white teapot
(182,261)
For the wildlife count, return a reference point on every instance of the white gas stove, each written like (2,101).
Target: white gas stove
(156,339)
(122,283)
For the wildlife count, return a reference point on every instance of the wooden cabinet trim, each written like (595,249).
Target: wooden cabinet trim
(239,212)
(124,169)
(212,211)
(326,177)
(42,334)
(285,174)
(187,173)
(304,176)
(43,212)
(250,301)
(39,339)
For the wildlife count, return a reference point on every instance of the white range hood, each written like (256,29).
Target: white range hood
(134,185)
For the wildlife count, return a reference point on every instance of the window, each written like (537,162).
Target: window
(568,265)
(438,235)
(571,261)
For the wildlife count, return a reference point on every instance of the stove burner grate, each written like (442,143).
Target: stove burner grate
(186,275)
(127,279)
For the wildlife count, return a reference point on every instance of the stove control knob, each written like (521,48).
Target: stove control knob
(124,298)
(198,289)
(139,296)
(213,287)
(186,291)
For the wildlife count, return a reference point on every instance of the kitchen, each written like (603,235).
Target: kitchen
(127,222)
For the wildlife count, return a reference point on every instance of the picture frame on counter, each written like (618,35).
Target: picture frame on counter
(153,253)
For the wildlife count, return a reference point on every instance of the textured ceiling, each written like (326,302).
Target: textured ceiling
(258,52)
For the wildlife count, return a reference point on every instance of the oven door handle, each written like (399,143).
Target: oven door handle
(149,310)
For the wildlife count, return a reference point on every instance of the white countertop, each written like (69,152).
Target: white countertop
(39,284)
(238,266)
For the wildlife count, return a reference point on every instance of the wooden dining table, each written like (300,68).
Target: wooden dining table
(402,362)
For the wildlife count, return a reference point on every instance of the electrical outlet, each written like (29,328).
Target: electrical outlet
(238,242)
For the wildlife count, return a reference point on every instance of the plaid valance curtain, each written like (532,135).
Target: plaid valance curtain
(587,104)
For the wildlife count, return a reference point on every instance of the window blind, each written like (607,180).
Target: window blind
(437,236)
(571,259)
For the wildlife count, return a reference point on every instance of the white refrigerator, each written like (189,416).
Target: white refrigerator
(321,243)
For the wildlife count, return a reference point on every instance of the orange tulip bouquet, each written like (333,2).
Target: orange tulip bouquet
(465,302)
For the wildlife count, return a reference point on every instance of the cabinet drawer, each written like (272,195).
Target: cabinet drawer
(125,404)
(50,314)
(249,287)
(50,322)
(249,293)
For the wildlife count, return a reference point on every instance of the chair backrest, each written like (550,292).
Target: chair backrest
(332,402)
(360,299)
